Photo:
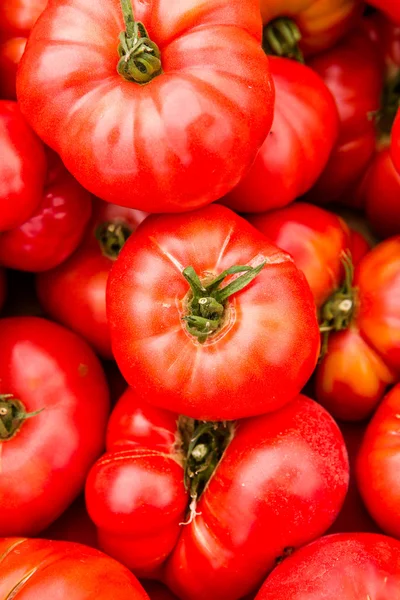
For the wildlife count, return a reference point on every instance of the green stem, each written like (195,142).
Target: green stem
(140,58)
(12,416)
(281,37)
(112,237)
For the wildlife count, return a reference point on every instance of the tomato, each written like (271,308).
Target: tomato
(315,238)
(74,525)
(22,167)
(299,143)
(256,487)
(377,465)
(158,136)
(10,54)
(3,288)
(56,227)
(158,591)
(359,246)
(17,17)
(390,7)
(348,566)
(317,23)
(61,570)
(346,69)
(210,356)
(46,455)
(74,293)
(395,143)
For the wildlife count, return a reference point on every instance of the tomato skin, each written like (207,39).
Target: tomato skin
(298,146)
(150,146)
(346,566)
(359,246)
(47,367)
(22,168)
(17,17)
(321,22)
(74,293)
(315,238)
(168,366)
(259,479)
(35,568)
(11,52)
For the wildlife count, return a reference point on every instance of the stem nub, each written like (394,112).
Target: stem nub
(281,37)
(208,303)
(112,237)
(140,58)
(12,416)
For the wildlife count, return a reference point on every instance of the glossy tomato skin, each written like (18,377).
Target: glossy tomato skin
(278,500)
(167,365)
(377,464)
(48,368)
(314,237)
(74,293)
(179,142)
(346,566)
(22,167)
(55,228)
(60,570)
(321,22)
(295,152)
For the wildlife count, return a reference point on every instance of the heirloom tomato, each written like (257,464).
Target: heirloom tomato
(54,229)
(209,507)
(22,167)
(378,464)
(60,570)
(170,124)
(74,293)
(349,566)
(208,318)
(295,152)
(53,412)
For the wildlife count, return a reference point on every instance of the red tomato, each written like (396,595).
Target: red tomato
(315,238)
(10,54)
(304,131)
(74,525)
(182,140)
(17,17)
(56,227)
(22,167)
(352,71)
(202,353)
(318,23)
(59,570)
(269,483)
(377,465)
(157,591)
(45,458)
(395,143)
(2,287)
(359,246)
(74,293)
(390,7)
(348,566)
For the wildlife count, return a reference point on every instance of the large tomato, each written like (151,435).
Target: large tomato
(53,413)
(303,133)
(22,167)
(378,464)
(54,229)
(254,488)
(33,569)
(182,119)
(208,318)
(74,293)
(349,566)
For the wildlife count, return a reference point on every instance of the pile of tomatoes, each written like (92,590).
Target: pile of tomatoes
(200,299)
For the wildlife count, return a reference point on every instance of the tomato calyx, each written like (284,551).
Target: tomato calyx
(12,416)
(140,58)
(338,311)
(281,37)
(207,306)
(203,445)
(112,237)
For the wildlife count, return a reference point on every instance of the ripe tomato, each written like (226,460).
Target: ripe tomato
(56,227)
(377,464)
(395,143)
(74,293)
(349,566)
(299,143)
(270,482)
(60,570)
(359,246)
(158,136)
(17,17)
(45,456)
(22,167)
(194,348)
(2,287)
(318,24)
(10,54)
(314,237)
